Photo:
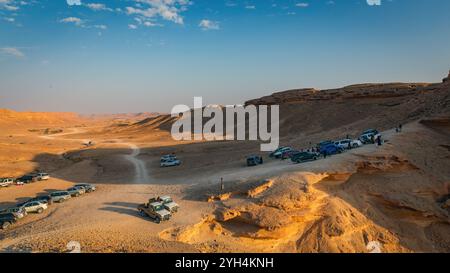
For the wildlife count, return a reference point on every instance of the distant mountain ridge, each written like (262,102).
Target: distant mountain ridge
(10,117)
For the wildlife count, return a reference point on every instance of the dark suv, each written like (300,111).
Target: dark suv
(7,219)
(27,179)
(254,160)
(45,199)
(303,156)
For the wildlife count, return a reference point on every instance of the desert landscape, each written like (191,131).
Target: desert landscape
(396,194)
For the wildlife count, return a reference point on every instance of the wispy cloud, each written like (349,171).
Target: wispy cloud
(302,5)
(9,19)
(169,10)
(73,2)
(103,27)
(98,7)
(12,51)
(374,2)
(75,20)
(209,25)
(9,5)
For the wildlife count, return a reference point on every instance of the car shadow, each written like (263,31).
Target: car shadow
(123,204)
(125,208)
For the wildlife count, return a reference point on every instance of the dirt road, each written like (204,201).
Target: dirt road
(141,172)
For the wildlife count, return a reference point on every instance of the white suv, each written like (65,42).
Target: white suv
(348,143)
(170,163)
(6,182)
(43,176)
(34,206)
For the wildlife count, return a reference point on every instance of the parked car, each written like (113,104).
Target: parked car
(330,149)
(34,206)
(7,219)
(44,199)
(289,154)
(19,212)
(155,211)
(87,187)
(6,182)
(272,154)
(167,202)
(254,160)
(27,179)
(43,176)
(324,143)
(76,191)
(304,156)
(369,136)
(60,196)
(348,143)
(171,163)
(168,157)
(278,152)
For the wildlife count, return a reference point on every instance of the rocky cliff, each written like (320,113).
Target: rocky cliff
(359,91)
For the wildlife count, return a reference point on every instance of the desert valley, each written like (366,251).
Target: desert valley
(396,194)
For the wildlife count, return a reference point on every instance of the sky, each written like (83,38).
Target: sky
(98,56)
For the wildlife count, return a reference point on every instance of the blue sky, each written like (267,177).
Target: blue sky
(114,56)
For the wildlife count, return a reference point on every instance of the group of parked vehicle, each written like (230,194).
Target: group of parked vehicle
(169,161)
(159,209)
(39,204)
(26,179)
(323,149)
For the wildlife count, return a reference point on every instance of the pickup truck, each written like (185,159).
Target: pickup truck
(167,202)
(155,211)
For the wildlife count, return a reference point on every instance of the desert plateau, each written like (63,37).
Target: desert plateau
(396,194)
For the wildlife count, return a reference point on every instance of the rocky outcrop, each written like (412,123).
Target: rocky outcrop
(446,80)
(360,91)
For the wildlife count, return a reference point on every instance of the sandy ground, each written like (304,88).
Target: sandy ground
(393,195)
